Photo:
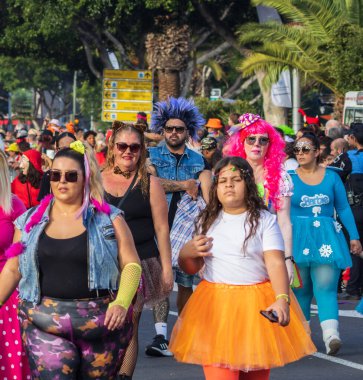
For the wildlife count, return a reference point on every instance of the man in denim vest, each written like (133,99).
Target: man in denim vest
(180,170)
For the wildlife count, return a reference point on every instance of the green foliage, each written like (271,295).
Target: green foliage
(22,103)
(220,109)
(308,41)
(89,96)
(345,57)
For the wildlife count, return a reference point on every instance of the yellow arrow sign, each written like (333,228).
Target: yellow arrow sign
(121,116)
(128,106)
(127,85)
(128,74)
(127,95)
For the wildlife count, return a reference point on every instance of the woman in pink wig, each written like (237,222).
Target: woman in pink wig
(262,146)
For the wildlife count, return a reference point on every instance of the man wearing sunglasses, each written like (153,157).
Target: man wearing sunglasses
(180,170)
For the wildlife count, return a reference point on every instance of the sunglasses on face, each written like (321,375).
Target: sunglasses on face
(122,147)
(251,140)
(69,175)
(303,150)
(170,129)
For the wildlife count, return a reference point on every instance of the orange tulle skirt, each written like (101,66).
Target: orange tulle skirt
(221,325)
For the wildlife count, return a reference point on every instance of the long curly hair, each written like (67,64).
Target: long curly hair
(33,176)
(139,129)
(177,108)
(274,159)
(254,202)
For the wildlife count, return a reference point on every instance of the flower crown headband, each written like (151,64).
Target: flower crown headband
(245,121)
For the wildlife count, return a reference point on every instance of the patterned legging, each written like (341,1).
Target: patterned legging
(68,340)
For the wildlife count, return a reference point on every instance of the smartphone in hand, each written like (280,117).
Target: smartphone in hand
(271,315)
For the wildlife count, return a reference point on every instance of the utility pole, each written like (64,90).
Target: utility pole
(10,125)
(74,94)
(296,100)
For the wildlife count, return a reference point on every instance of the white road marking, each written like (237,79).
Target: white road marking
(342,313)
(336,360)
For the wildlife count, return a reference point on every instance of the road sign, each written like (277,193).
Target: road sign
(128,74)
(127,95)
(128,106)
(215,93)
(127,85)
(122,116)
(126,92)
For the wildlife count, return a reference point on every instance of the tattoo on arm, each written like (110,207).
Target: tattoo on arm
(170,186)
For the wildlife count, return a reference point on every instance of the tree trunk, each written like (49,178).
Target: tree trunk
(273,114)
(169,84)
(338,108)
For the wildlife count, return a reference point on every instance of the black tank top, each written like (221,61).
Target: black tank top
(138,217)
(63,268)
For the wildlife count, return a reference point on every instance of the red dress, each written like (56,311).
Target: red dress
(13,362)
(26,192)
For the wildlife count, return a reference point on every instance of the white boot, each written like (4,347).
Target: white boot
(331,336)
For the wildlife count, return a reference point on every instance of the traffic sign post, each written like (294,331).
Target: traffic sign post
(125,93)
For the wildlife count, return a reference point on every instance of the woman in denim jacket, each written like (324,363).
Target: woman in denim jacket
(67,258)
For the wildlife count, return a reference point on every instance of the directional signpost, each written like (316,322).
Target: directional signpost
(126,92)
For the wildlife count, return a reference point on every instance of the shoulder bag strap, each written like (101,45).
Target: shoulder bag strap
(127,192)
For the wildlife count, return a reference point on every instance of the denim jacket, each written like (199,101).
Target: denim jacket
(166,166)
(103,269)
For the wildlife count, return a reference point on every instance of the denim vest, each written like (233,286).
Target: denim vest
(103,267)
(189,167)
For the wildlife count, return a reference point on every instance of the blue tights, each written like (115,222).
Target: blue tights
(320,281)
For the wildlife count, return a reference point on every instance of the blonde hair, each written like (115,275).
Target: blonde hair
(138,129)
(95,179)
(5,189)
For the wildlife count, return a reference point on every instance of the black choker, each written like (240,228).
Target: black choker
(126,173)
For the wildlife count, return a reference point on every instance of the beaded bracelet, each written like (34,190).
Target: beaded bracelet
(283,296)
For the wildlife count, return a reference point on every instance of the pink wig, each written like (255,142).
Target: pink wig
(275,155)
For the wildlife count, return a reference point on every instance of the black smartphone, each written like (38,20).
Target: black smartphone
(270,315)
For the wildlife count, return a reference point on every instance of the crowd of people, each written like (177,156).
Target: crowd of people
(96,226)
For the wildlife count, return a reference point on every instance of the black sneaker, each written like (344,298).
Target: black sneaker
(159,347)
(348,296)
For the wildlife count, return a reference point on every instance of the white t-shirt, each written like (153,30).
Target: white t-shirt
(231,263)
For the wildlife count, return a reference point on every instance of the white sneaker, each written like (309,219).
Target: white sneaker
(333,344)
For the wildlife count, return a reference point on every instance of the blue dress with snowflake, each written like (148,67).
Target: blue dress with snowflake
(317,237)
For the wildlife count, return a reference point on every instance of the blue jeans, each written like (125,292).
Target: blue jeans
(183,279)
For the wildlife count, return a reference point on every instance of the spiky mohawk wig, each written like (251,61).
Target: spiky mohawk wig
(177,108)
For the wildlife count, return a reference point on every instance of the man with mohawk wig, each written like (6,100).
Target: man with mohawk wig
(180,170)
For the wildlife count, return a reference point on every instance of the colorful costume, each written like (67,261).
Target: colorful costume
(319,247)
(221,324)
(13,362)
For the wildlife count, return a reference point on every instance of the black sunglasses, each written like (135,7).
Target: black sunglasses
(251,140)
(303,150)
(122,147)
(170,129)
(70,175)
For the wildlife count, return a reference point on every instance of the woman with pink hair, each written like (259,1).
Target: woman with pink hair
(255,140)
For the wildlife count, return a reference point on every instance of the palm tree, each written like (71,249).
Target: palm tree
(167,52)
(302,42)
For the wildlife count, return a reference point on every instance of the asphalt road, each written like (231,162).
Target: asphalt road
(348,364)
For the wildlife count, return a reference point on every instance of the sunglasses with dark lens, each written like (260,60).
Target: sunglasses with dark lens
(122,147)
(303,150)
(251,140)
(70,175)
(170,129)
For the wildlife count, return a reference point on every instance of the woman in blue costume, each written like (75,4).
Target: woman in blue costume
(319,246)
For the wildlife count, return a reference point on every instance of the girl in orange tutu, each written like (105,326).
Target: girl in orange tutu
(241,246)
